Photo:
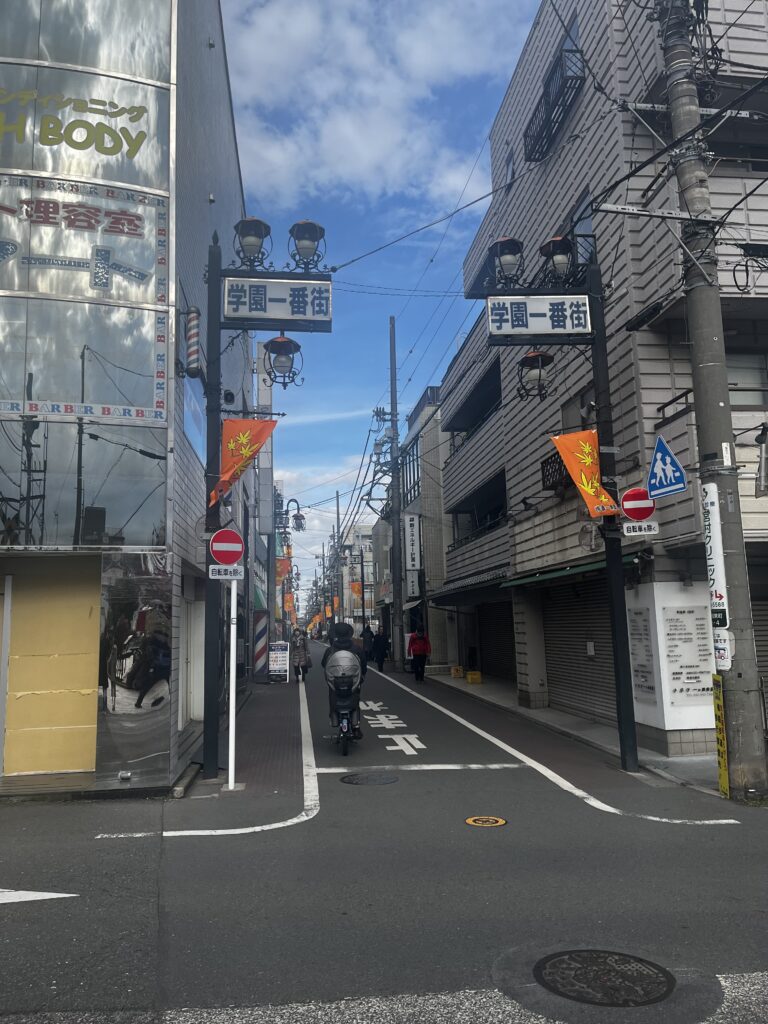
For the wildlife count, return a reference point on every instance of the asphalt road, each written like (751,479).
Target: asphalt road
(379,903)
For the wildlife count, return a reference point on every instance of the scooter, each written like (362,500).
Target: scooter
(344,676)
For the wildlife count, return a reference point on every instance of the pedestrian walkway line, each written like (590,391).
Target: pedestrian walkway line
(414,768)
(311,795)
(551,776)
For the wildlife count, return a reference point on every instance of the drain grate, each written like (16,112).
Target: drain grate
(602,978)
(369,779)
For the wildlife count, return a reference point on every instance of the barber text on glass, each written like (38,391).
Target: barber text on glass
(272,303)
(538,314)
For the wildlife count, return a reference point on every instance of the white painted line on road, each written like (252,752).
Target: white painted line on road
(27,896)
(558,780)
(417,768)
(311,795)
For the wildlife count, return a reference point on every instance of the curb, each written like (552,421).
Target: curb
(185,780)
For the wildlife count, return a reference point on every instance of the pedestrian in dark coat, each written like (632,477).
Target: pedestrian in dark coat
(380,648)
(300,658)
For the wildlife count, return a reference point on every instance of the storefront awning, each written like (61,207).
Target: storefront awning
(259,599)
(553,574)
(412,604)
(468,588)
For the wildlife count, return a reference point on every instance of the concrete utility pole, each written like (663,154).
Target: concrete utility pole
(714,426)
(338,560)
(397,544)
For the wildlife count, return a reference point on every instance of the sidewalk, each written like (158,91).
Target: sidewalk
(699,771)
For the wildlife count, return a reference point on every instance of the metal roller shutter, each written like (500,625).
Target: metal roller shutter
(575,614)
(497,640)
(760,624)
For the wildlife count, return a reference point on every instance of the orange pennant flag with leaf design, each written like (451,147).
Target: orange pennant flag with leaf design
(241,442)
(580,453)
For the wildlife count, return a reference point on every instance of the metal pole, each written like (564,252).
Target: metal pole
(614,564)
(325,603)
(232,680)
(362,580)
(397,544)
(338,559)
(212,668)
(747,771)
(77,538)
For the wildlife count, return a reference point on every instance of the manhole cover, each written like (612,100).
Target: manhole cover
(485,821)
(369,779)
(602,978)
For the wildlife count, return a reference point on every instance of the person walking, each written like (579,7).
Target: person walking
(380,648)
(300,658)
(367,637)
(419,649)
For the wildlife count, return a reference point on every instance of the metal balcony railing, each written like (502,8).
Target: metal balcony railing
(554,475)
(561,86)
(485,528)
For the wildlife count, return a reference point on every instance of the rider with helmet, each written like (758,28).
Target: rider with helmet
(342,642)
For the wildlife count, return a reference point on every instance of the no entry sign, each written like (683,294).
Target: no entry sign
(635,504)
(226,547)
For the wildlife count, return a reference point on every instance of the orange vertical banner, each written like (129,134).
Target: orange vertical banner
(282,569)
(580,453)
(241,442)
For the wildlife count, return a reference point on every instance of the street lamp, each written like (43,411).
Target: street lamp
(305,246)
(508,261)
(280,361)
(535,375)
(299,521)
(581,282)
(252,236)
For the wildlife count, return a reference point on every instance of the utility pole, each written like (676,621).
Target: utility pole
(714,427)
(362,580)
(211,660)
(77,539)
(397,543)
(338,559)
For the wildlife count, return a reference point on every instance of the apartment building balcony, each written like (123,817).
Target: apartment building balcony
(561,87)
(482,551)
(476,455)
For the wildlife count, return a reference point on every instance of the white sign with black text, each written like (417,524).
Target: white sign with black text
(225,573)
(715,555)
(649,528)
(412,542)
(538,314)
(411,583)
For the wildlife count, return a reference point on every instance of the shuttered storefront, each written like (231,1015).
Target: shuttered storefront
(576,614)
(760,623)
(497,640)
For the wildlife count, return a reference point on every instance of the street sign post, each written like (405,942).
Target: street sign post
(636,504)
(666,476)
(227,548)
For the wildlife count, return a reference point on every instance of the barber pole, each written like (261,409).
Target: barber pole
(193,341)
(260,643)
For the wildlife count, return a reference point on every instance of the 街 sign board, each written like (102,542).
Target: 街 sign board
(296,303)
(715,555)
(563,315)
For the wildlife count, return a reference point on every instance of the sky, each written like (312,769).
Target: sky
(370,117)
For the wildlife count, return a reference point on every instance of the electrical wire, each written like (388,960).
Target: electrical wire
(597,84)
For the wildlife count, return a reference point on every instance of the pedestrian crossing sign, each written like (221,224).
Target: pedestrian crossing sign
(666,476)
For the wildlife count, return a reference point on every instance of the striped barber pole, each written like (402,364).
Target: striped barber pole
(260,643)
(193,342)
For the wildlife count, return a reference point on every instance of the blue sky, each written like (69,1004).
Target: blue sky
(367,116)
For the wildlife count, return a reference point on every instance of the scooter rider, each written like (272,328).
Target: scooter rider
(342,641)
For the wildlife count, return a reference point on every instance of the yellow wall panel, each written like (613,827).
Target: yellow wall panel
(51,709)
(53,668)
(50,750)
(53,672)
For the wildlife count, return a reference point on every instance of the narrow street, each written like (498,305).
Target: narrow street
(380,903)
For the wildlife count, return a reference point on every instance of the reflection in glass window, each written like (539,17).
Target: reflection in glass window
(748,379)
(194,416)
(84,125)
(121,485)
(132,37)
(21,29)
(13,332)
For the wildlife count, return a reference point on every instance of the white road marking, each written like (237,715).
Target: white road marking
(311,795)
(407,743)
(27,896)
(416,768)
(551,776)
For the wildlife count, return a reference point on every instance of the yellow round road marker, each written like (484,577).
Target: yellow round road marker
(485,821)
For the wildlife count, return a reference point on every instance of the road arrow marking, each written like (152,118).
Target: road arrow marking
(24,896)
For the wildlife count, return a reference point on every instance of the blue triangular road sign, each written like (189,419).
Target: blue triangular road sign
(666,475)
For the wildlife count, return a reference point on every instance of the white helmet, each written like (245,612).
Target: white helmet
(343,667)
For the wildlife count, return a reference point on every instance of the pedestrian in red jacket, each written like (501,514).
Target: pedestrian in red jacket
(419,649)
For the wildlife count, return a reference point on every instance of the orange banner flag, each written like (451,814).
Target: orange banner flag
(356,588)
(241,442)
(580,453)
(288,603)
(282,568)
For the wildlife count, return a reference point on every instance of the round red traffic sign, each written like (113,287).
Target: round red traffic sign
(227,547)
(635,504)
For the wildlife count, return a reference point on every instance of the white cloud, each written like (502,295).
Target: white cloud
(303,419)
(340,97)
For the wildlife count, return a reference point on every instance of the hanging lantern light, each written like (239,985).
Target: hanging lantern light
(535,376)
(306,236)
(560,253)
(298,520)
(508,263)
(280,355)
(253,234)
